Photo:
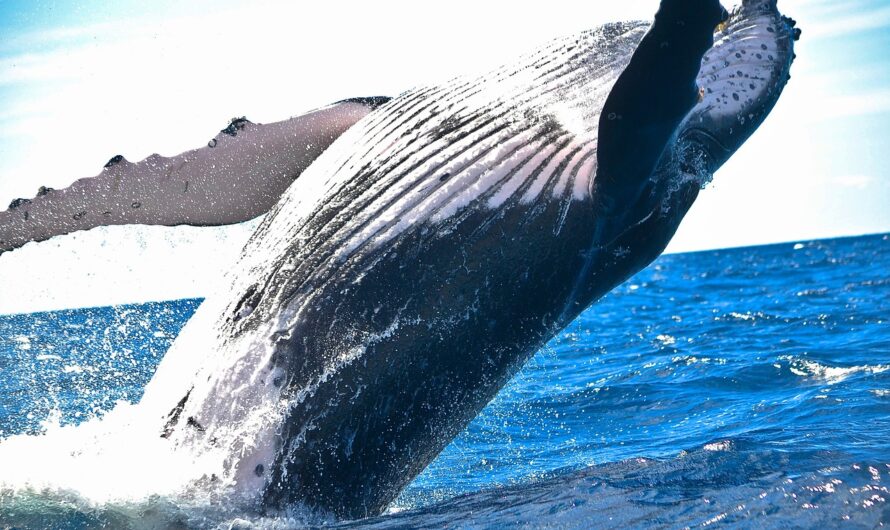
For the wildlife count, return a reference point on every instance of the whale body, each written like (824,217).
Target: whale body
(415,266)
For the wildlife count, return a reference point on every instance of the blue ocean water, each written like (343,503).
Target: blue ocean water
(743,388)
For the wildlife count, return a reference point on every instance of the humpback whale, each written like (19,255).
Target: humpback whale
(439,242)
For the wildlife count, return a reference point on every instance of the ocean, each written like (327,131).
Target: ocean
(743,388)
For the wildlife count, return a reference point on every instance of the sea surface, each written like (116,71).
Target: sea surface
(741,388)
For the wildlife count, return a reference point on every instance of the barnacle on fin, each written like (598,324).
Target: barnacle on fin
(18,202)
(235,125)
(113,161)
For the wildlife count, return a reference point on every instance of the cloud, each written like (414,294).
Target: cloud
(855,104)
(859,182)
(862,19)
(814,104)
(59,36)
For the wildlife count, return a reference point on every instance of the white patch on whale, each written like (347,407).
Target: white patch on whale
(739,68)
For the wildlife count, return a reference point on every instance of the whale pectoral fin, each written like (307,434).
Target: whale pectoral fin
(650,99)
(741,79)
(240,174)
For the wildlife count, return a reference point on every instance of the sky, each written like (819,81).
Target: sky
(83,81)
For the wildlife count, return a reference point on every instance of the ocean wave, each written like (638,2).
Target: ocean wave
(830,374)
(688,401)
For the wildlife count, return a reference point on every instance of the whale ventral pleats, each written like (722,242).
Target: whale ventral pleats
(372,102)
(247,303)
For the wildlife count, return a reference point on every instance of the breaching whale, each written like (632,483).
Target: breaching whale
(438,243)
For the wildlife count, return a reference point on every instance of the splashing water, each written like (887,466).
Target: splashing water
(744,387)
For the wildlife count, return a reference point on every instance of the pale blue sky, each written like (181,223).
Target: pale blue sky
(82,81)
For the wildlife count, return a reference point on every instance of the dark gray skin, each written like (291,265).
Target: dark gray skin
(650,99)
(445,314)
(381,422)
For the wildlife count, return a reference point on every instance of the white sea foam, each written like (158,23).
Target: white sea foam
(725,445)
(830,374)
(84,269)
(97,459)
